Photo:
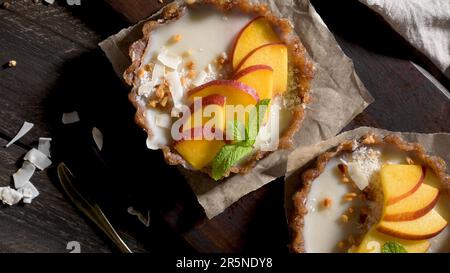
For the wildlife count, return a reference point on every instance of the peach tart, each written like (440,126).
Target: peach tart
(373,195)
(202,57)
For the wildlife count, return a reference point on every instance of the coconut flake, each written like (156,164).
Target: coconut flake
(163,120)
(38,159)
(44,145)
(200,79)
(29,192)
(144,220)
(10,196)
(97,135)
(169,60)
(26,127)
(176,89)
(145,89)
(24,174)
(158,72)
(72,117)
(363,165)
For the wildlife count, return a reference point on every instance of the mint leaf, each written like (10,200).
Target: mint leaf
(255,119)
(227,157)
(393,247)
(231,154)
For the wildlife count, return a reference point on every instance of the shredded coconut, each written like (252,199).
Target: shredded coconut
(362,165)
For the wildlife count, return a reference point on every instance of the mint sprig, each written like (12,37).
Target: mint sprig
(231,154)
(393,247)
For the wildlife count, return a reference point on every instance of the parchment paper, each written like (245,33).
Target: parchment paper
(338,96)
(298,161)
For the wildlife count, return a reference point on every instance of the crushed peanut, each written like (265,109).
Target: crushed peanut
(164,101)
(152,103)
(12,63)
(190,65)
(161,1)
(176,38)
(351,210)
(350,196)
(327,202)
(141,73)
(344,218)
(370,139)
(187,53)
(341,244)
(189,2)
(345,179)
(191,74)
(149,67)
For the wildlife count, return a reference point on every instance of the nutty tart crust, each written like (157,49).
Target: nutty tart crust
(294,99)
(385,216)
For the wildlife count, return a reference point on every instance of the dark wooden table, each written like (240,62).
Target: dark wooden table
(60,68)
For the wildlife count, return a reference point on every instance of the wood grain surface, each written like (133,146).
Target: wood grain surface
(61,69)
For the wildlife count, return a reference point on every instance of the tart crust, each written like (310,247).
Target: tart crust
(301,66)
(296,219)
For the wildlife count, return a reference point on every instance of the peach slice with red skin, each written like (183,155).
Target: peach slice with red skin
(236,93)
(425,227)
(274,55)
(199,153)
(414,206)
(209,101)
(256,33)
(400,181)
(260,77)
(373,236)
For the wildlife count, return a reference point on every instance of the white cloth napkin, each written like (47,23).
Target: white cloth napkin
(424,23)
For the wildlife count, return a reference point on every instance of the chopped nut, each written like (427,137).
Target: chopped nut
(350,196)
(189,2)
(351,210)
(345,179)
(149,67)
(344,218)
(187,53)
(191,74)
(341,244)
(12,63)
(176,38)
(409,160)
(164,101)
(161,1)
(159,92)
(190,65)
(369,139)
(326,202)
(183,80)
(141,73)
(152,103)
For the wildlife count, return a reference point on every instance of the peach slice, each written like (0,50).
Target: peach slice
(400,181)
(215,101)
(256,33)
(374,240)
(259,77)
(425,227)
(414,206)
(237,93)
(198,153)
(274,55)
